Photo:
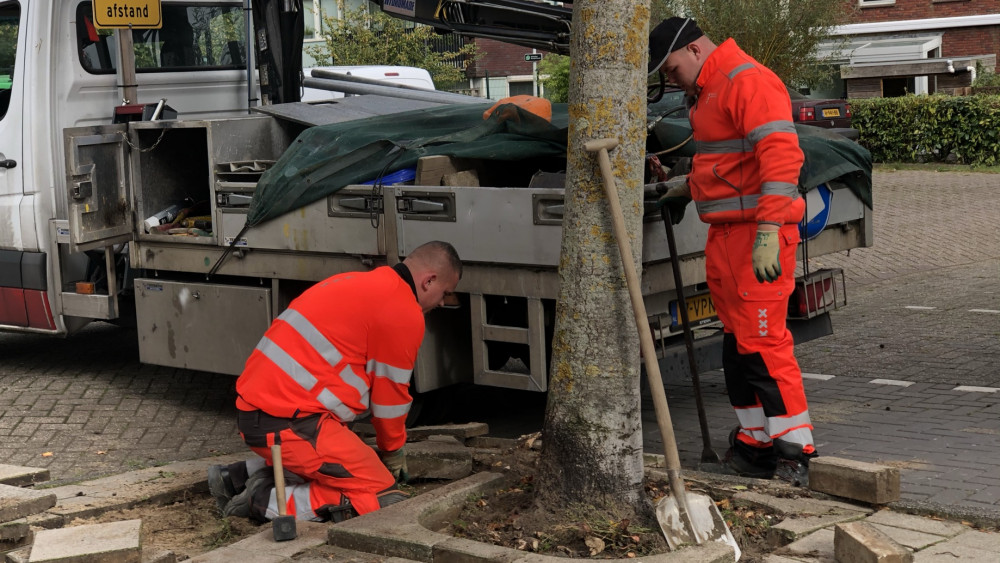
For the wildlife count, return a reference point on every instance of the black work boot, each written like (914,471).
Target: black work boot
(747,461)
(253,500)
(793,463)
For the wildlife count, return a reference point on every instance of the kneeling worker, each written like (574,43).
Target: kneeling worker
(345,346)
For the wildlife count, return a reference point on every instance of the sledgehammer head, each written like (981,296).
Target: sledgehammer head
(598,144)
(283,525)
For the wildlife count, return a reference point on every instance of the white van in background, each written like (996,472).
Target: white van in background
(405,75)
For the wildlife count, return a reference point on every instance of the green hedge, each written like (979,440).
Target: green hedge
(956,129)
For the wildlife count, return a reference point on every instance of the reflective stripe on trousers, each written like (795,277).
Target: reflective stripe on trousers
(762,375)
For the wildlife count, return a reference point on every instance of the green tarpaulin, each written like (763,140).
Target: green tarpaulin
(324,159)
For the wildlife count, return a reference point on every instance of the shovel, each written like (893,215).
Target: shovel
(284,525)
(684,518)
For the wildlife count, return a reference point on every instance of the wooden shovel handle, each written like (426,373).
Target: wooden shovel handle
(279,479)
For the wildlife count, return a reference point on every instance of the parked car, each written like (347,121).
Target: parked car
(832,114)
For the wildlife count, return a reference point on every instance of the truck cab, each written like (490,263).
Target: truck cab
(58,71)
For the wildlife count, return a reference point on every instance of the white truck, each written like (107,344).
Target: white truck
(76,190)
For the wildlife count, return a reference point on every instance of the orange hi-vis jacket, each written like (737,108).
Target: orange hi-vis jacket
(747,156)
(346,345)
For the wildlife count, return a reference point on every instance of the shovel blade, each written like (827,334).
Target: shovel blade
(702,523)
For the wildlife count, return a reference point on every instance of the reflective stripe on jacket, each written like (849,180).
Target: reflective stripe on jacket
(747,161)
(346,345)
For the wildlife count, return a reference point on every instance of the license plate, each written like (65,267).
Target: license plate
(700,308)
(831,113)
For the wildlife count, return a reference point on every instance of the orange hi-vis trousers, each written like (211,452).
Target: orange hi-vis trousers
(762,375)
(331,460)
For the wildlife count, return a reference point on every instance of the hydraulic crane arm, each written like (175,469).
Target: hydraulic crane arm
(522,22)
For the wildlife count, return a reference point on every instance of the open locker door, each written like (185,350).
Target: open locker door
(99,215)
(97,182)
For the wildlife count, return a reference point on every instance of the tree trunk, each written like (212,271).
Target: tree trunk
(592,439)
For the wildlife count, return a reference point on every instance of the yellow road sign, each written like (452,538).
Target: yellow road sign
(137,14)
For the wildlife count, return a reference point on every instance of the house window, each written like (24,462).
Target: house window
(875,3)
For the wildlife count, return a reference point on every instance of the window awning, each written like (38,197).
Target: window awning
(879,49)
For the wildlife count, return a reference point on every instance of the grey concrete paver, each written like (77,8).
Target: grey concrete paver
(114,542)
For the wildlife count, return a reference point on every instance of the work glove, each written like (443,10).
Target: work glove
(766,249)
(676,196)
(395,462)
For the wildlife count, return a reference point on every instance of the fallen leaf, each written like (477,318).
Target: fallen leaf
(596,545)
(522,545)
(47,454)
(481,502)
(630,555)
(636,538)
(101,452)
(534,545)
(740,488)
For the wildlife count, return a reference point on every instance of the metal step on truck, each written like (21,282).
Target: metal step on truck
(144,220)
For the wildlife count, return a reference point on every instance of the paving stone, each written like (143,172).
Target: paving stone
(16,502)
(18,476)
(918,523)
(262,547)
(46,521)
(909,538)
(952,551)
(460,431)
(791,529)
(13,531)
(163,556)
(856,480)
(491,443)
(979,540)
(18,555)
(439,457)
(799,506)
(858,542)
(114,542)
(818,546)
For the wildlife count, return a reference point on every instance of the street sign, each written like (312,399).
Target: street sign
(533,57)
(124,14)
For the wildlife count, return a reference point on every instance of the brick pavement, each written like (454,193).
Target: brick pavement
(937,246)
(89,402)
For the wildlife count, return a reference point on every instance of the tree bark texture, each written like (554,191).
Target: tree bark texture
(592,439)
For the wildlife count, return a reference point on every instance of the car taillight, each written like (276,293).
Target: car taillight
(847,109)
(807,114)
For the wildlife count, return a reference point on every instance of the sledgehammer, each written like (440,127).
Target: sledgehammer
(284,525)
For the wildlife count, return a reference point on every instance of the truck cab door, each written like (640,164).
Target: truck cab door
(13,18)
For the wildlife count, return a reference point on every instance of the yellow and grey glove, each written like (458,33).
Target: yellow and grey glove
(766,253)
(395,462)
(676,197)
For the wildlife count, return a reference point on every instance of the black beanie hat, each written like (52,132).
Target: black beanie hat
(668,36)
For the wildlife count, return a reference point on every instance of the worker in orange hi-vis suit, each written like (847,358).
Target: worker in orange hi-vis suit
(344,347)
(744,182)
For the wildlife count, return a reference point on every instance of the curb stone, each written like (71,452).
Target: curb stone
(406,529)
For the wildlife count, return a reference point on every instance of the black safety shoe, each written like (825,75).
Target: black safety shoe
(220,485)
(745,460)
(240,504)
(793,463)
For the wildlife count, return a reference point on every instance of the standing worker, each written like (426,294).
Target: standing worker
(744,182)
(345,346)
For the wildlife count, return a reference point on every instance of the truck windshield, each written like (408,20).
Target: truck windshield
(193,37)
(9,18)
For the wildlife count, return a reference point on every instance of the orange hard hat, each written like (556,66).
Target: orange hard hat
(538,106)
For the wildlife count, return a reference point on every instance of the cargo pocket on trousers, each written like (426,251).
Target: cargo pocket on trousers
(761,302)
